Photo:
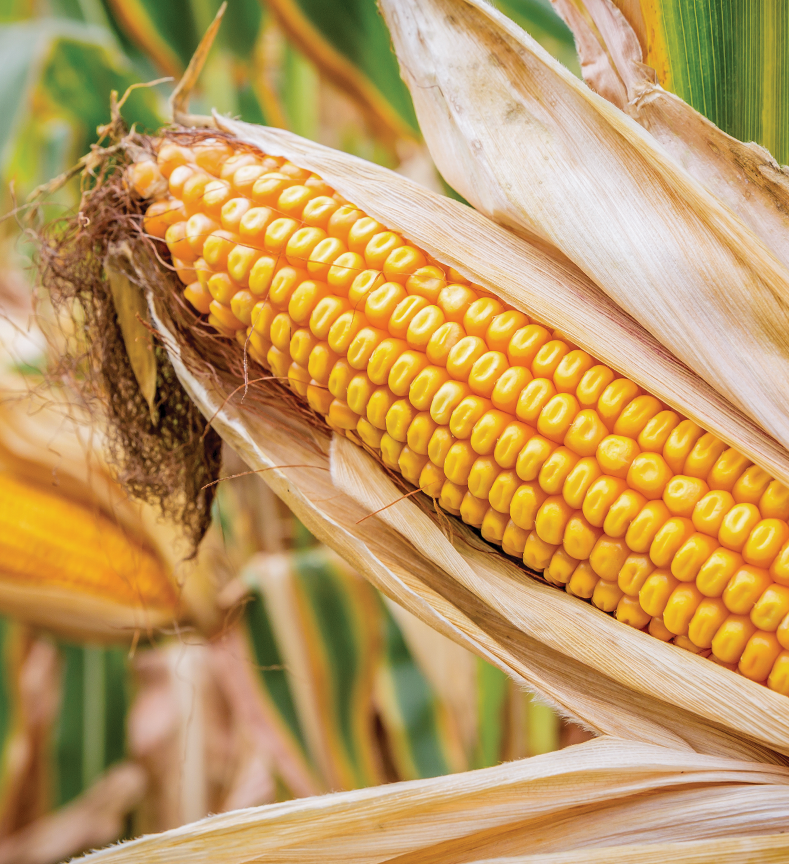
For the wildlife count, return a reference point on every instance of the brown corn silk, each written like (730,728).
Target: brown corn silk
(551,649)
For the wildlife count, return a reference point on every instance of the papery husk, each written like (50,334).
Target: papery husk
(535,149)
(611,42)
(613,679)
(601,793)
(528,277)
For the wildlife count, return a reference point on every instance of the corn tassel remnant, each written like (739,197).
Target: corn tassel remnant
(553,456)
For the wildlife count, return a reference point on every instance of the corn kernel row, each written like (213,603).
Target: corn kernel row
(550,454)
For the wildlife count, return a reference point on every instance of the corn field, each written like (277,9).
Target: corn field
(392,438)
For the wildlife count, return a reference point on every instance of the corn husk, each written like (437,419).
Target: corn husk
(535,149)
(603,793)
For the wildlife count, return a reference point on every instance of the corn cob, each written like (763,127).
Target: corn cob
(50,541)
(566,465)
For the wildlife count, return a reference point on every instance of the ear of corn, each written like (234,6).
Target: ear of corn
(550,454)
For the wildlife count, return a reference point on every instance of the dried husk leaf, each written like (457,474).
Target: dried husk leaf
(742,175)
(615,680)
(537,150)
(604,792)
(527,277)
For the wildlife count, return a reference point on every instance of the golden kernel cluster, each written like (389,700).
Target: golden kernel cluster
(552,455)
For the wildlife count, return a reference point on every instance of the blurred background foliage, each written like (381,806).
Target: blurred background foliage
(312,681)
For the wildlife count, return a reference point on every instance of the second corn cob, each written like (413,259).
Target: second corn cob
(552,455)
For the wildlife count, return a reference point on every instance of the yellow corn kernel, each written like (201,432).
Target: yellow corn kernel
(362,232)
(342,220)
(601,495)
(552,518)
(361,347)
(771,608)
(655,592)
(608,557)
(345,329)
(473,510)
(779,569)
(244,178)
(233,212)
(199,296)
(513,541)
(615,455)
(342,275)
(411,465)
(716,571)
(443,341)
(431,480)
(454,301)
(383,359)
(560,568)
(586,432)
(502,328)
(548,358)
(779,676)
(463,356)
(571,369)
(258,347)
(464,418)
(487,430)
(633,573)
(765,542)
(398,421)
(342,415)
(447,399)
(382,302)
(161,215)
(727,470)
(240,263)
(579,537)
(425,387)
(510,443)
(427,282)
(381,400)
(483,473)
(729,642)
(653,437)
(629,611)
(326,312)
(360,389)
(537,553)
(339,379)
(644,528)
(615,398)
(649,474)
(179,245)
(526,502)
(480,314)
(439,444)
(703,457)
(622,512)
(299,379)
(301,244)
(783,632)
(557,416)
(706,620)
(262,315)
(606,596)
(221,314)
(680,443)
(593,384)
(318,211)
(658,629)
(744,589)
(494,525)
(525,343)
(578,481)
(533,398)
(710,510)
(423,325)
(737,525)
(458,461)
(278,234)
(635,416)
(197,228)
(686,644)
(774,503)
(681,607)
(503,490)
(683,493)
(305,298)
(555,470)
(486,372)
(380,247)
(279,285)
(761,652)
(320,362)
(404,313)
(532,457)
(302,344)
(690,557)
(420,431)
(369,434)
(282,330)
(261,276)
(404,370)
(253,224)
(583,581)
(669,539)
(451,497)
(321,259)
(222,288)
(751,485)
(402,263)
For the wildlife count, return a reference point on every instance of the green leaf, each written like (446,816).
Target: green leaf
(492,690)
(729,59)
